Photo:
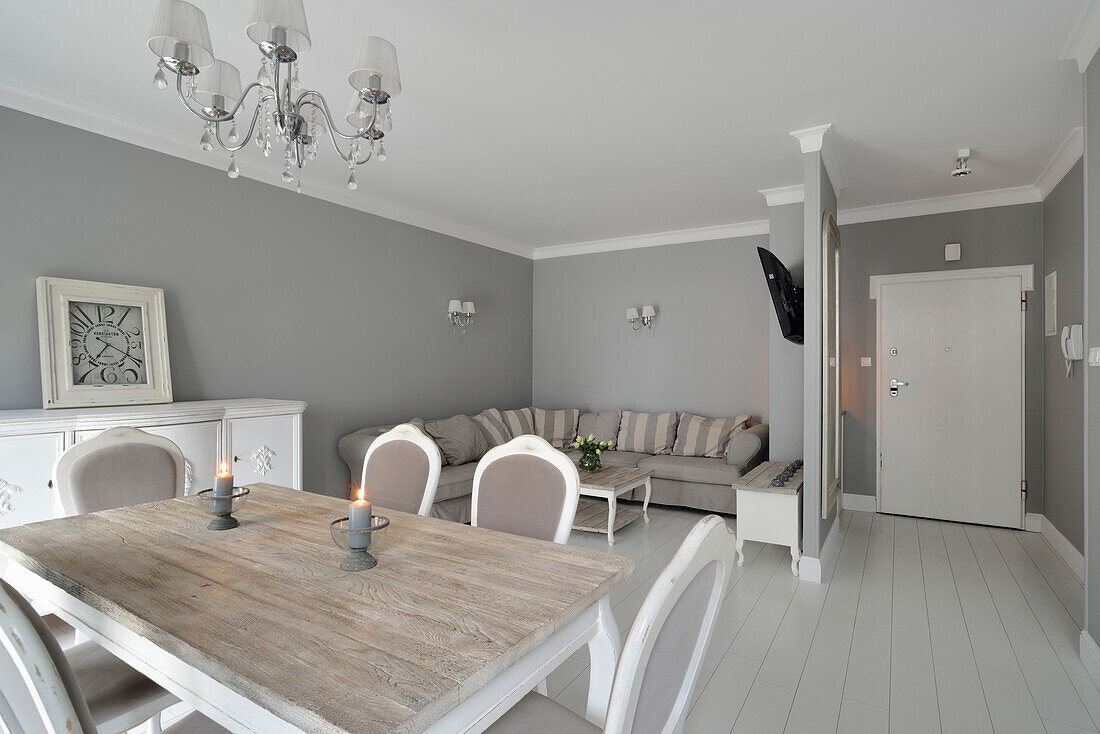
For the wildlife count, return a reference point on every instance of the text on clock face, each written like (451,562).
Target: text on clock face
(107,344)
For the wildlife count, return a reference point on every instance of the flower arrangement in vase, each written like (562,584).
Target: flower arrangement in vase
(591,449)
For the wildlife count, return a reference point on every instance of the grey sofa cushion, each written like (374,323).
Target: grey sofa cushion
(558,427)
(622,458)
(748,448)
(456,481)
(459,438)
(604,425)
(691,469)
(649,433)
(492,425)
(709,497)
(520,422)
(701,436)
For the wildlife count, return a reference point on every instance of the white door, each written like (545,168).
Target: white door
(263,450)
(951,432)
(200,444)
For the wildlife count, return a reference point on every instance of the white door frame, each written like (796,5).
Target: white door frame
(1026,273)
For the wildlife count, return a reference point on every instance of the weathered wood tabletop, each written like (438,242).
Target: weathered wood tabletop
(613,477)
(760,479)
(265,609)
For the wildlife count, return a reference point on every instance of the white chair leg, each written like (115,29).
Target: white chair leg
(603,649)
(153,725)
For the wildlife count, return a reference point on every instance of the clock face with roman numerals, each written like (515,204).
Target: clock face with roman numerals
(107,344)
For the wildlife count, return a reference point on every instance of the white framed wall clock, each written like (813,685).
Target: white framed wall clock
(101,344)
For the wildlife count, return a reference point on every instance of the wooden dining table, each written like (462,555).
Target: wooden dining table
(259,628)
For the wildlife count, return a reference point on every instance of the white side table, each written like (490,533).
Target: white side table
(769,514)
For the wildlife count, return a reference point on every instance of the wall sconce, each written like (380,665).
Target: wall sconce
(460,313)
(649,315)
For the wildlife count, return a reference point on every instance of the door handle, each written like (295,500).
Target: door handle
(895,383)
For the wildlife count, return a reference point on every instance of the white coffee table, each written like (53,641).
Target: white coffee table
(609,484)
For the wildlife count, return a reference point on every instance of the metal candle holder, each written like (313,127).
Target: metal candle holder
(222,508)
(357,559)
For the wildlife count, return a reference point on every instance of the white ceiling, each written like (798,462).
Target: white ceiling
(540,123)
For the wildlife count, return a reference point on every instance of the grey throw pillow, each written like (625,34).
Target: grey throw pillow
(605,425)
(647,433)
(492,425)
(702,436)
(558,427)
(520,422)
(459,438)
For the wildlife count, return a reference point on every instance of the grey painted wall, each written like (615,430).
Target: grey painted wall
(1001,236)
(1092,339)
(785,240)
(1064,398)
(820,197)
(707,352)
(269,294)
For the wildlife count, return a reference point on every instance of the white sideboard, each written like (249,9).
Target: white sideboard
(262,439)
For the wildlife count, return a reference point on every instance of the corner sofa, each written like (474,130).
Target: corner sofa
(694,459)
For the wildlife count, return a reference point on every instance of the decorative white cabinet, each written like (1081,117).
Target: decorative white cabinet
(261,438)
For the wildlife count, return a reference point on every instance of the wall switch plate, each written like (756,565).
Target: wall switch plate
(1094,357)
(864,361)
(952,251)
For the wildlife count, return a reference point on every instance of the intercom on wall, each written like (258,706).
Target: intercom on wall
(1073,345)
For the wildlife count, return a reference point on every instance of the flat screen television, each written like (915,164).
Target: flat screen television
(786,296)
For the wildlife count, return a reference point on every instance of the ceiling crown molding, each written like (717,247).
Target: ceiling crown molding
(37,102)
(1067,155)
(1084,37)
(941,205)
(818,139)
(676,237)
(781,195)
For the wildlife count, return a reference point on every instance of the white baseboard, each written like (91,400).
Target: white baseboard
(1065,550)
(1090,656)
(1033,522)
(809,568)
(859,502)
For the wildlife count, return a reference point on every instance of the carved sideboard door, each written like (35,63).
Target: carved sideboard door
(263,450)
(26,462)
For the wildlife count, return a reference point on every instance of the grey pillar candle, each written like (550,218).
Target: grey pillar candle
(223,487)
(359,514)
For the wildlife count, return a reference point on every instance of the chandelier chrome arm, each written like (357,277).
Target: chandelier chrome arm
(225,116)
(244,138)
(323,107)
(332,135)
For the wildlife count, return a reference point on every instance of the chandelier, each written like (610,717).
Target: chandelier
(284,113)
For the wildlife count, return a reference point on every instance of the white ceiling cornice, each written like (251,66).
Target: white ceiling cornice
(781,195)
(53,107)
(1084,38)
(941,205)
(822,138)
(677,237)
(1067,155)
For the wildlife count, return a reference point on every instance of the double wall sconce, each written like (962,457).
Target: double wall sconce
(460,313)
(649,315)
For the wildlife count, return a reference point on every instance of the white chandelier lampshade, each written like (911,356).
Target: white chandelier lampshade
(374,67)
(468,307)
(180,37)
(648,312)
(455,306)
(632,314)
(279,24)
(218,89)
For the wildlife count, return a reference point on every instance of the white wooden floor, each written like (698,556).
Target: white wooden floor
(920,626)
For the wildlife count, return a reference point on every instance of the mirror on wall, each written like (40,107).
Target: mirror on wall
(830,368)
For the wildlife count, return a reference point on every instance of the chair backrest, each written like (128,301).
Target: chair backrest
(663,653)
(401,470)
(526,487)
(40,691)
(119,467)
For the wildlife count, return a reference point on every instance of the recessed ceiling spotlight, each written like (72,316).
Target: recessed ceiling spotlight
(962,167)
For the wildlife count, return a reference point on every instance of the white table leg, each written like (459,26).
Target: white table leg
(645,505)
(796,556)
(612,506)
(603,649)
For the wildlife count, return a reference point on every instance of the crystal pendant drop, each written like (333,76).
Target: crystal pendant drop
(232,171)
(387,122)
(206,142)
(159,80)
(352,183)
(381,152)
(298,188)
(287,177)
(267,149)
(233,137)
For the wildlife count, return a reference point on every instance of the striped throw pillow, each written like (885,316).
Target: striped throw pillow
(647,433)
(700,436)
(520,422)
(559,427)
(492,425)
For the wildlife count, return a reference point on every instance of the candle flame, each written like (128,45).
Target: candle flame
(362,493)
(223,468)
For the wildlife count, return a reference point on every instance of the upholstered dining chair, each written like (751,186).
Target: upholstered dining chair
(526,487)
(85,690)
(119,467)
(401,470)
(663,653)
